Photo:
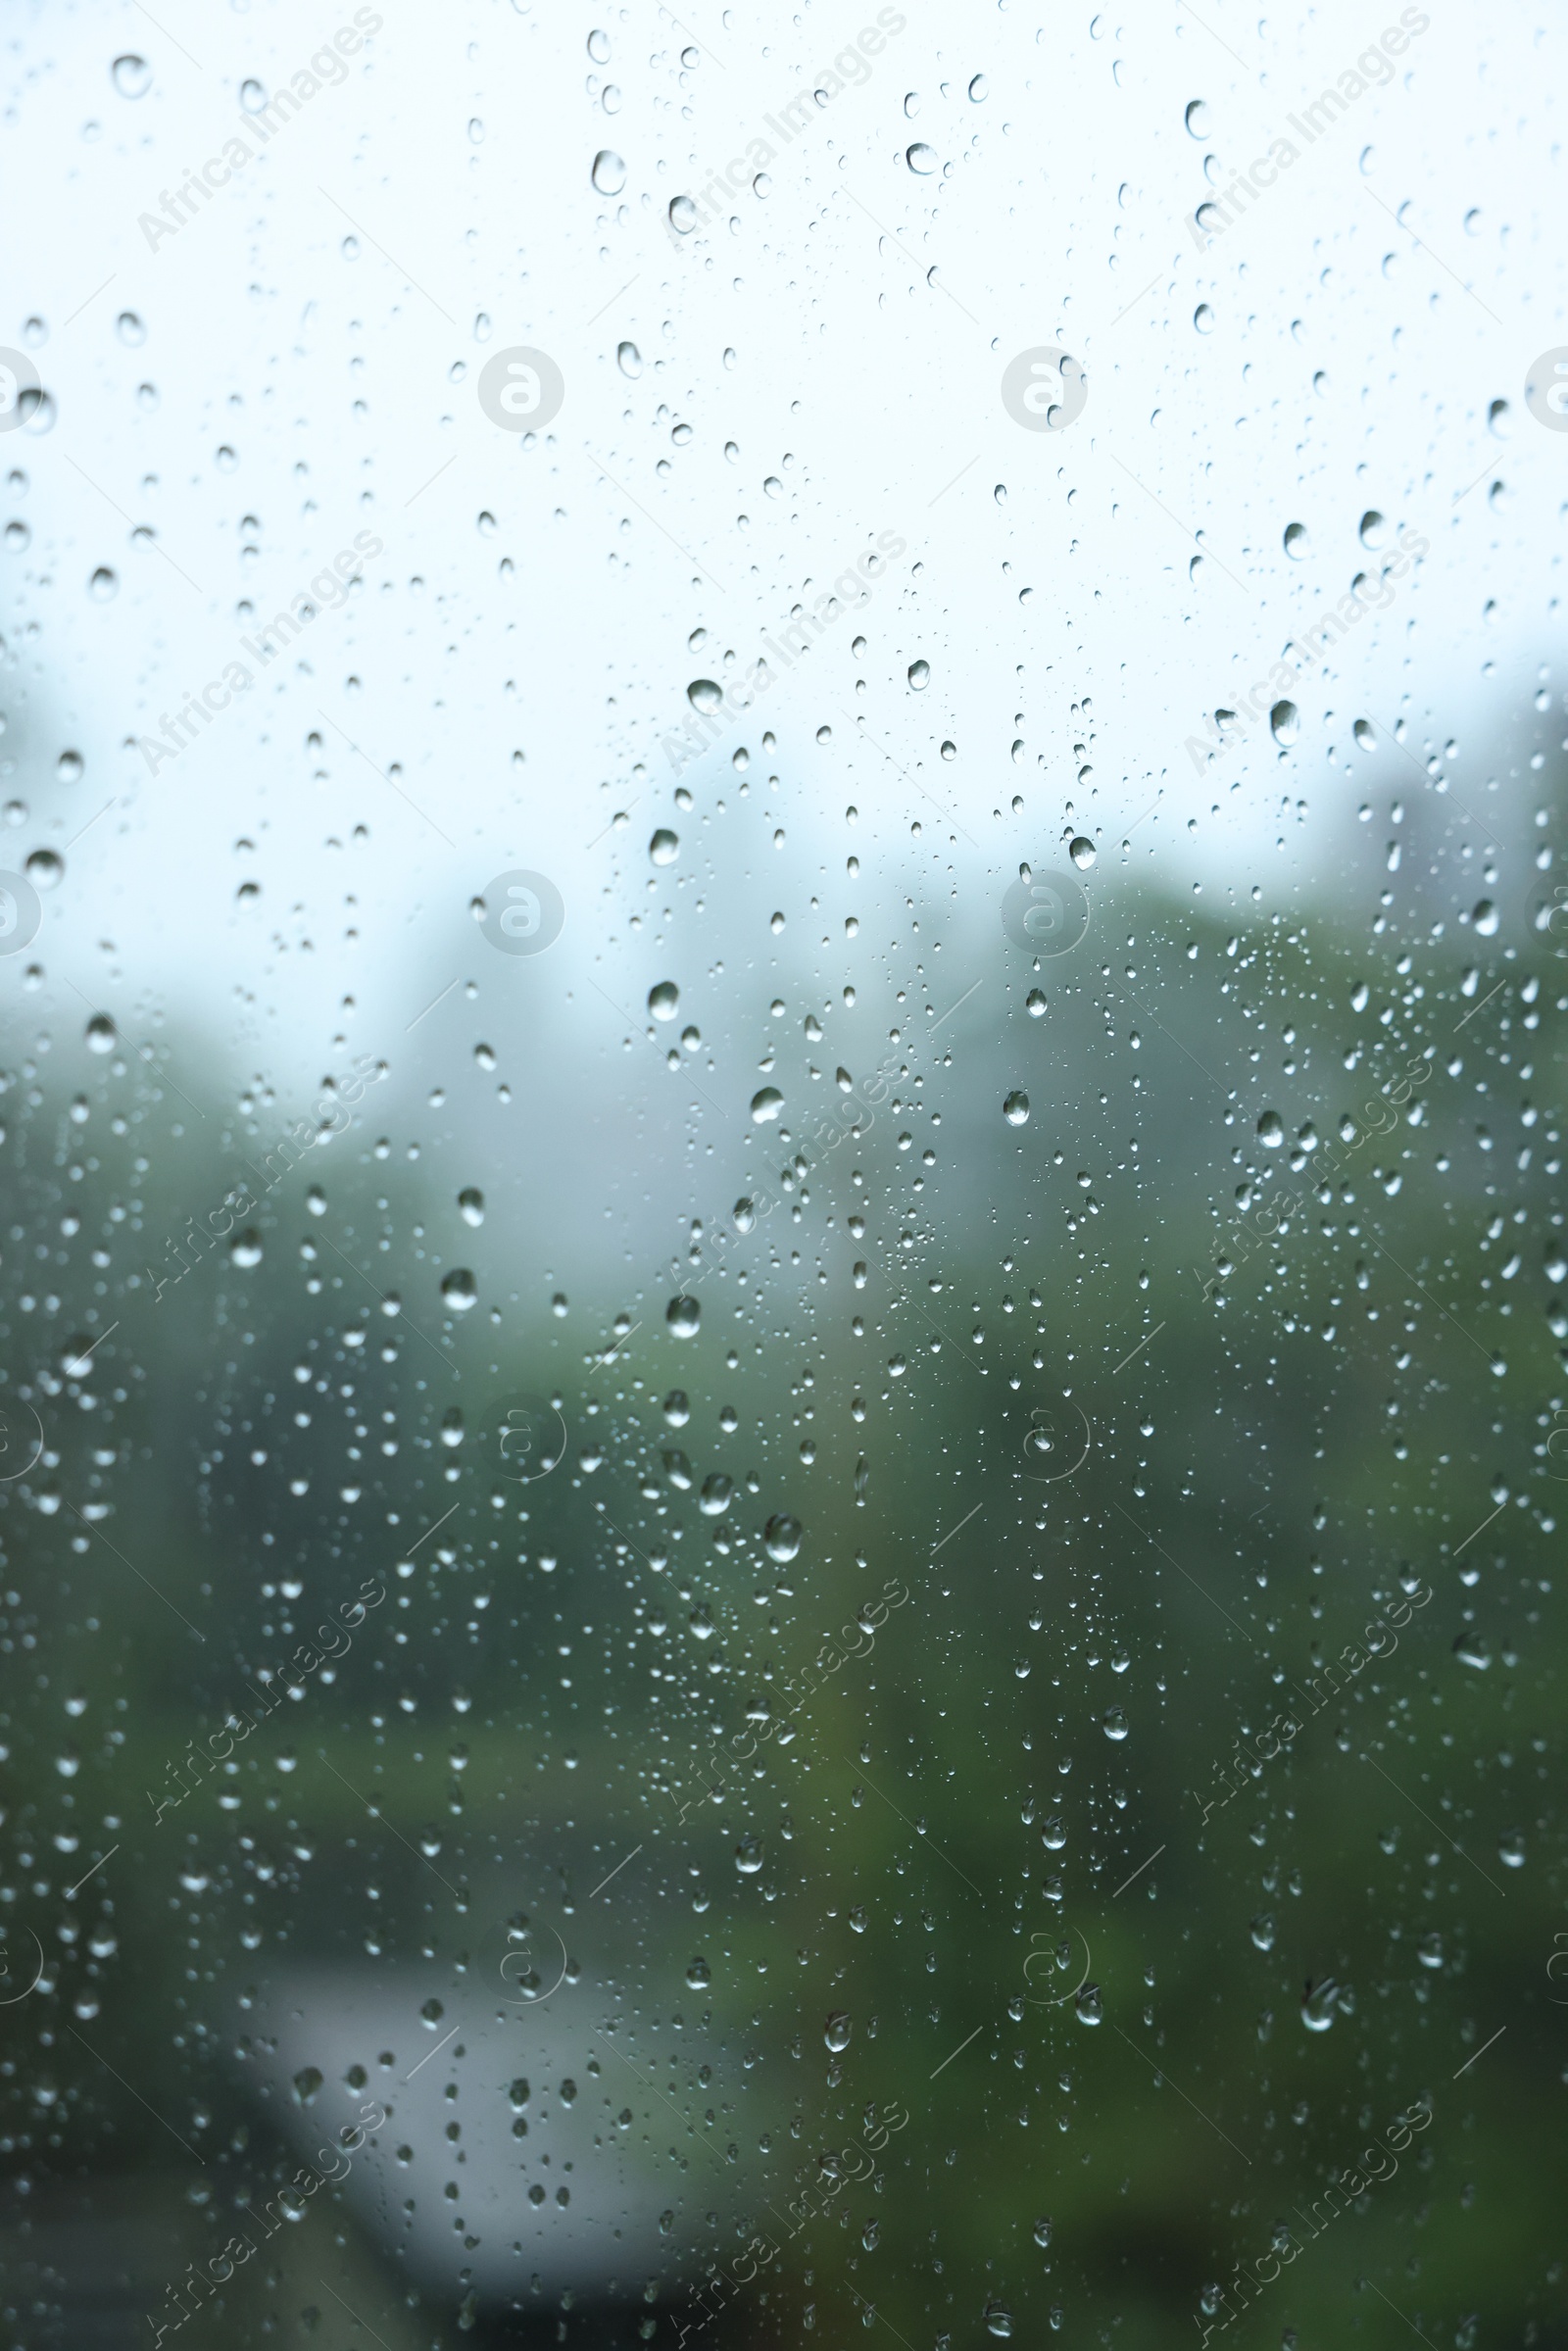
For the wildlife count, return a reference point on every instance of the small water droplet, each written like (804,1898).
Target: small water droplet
(716,1497)
(307,2082)
(245,1250)
(629,360)
(1043,2231)
(919,675)
(1320,2004)
(1471,1649)
(1365,734)
(664,845)
(744,1215)
(1429,1950)
(1511,1850)
(664,999)
(44,869)
(129,328)
(682,215)
(252,96)
(838,2031)
(131,76)
(683,1315)
(1296,540)
(782,1537)
(921,159)
(1016,1109)
(998,2318)
(67,768)
(1088,2005)
(104,585)
(749,1856)
(1203,318)
(979,90)
(1373,531)
(766,1103)
(460,1289)
(1197,119)
(1082,851)
(1285,724)
(1115,1723)
(102,1036)
(1486,918)
(1035,1004)
(698,1974)
(1263,1931)
(608,172)
(470,1206)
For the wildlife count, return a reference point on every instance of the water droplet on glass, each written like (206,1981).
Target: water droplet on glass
(781,1536)
(1296,540)
(743,1216)
(599,48)
(714,1498)
(1088,2005)
(1429,1950)
(998,2318)
(1082,851)
(1016,1109)
(664,1000)
(677,1410)
(1486,918)
(663,847)
(44,869)
(1365,734)
(979,90)
(749,1856)
(629,360)
(67,768)
(1285,724)
(1511,1850)
(1035,1004)
(129,328)
(683,1315)
(1197,119)
(1373,530)
(470,1206)
(1203,318)
(704,695)
(1471,1649)
(1115,1723)
(307,2082)
(919,675)
(131,76)
(104,585)
(610,172)
(921,159)
(698,1974)
(1042,2231)
(837,2033)
(682,215)
(1271,1130)
(102,1036)
(766,1103)
(1263,1931)
(245,1250)
(460,1289)
(1320,2004)
(252,96)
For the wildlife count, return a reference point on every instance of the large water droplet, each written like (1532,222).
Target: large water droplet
(1043,2231)
(664,999)
(665,847)
(1285,724)
(704,695)
(130,331)
(1485,917)
(921,159)
(629,360)
(102,1033)
(1320,2005)
(683,1315)
(714,1498)
(998,2318)
(245,1250)
(69,766)
(749,1856)
(1197,119)
(698,1974)
(682,215)
(1016,1109)
(460,1289)
(131,76)
(44,869)
(1088,2005)
(919,675)
(766,1103)
(1203,318)
(781,1536)
(104,585)
(1270,1130)
(1115,1723)
(470,1206)
(1296,540)
(252,96)
(1373,529)
(1082,851)
(838,2031)
(608,172)
(1471,1649)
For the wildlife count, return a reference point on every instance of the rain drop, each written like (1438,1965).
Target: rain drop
(102,1033)
(1115,1723)
(749,1856)
(1285,724)
(837,2033)
(1082,851)
(1088,2005)
(663,846)
(1271,1130)
(664,999)
(629,360)
(921,159)
(682,215)
(104,584)
(608,172)
(683,1315)
(919,675)
(470,1206)
(704,695)
(245,1250)
(131,76)
(460,1289)
(1197,119)
(1016,1109)
(1296,540)
(1485,917)
(1373,530)
(781,1538)
(44,869)
(766,1103)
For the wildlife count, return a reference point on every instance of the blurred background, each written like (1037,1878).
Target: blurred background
(481,1828)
